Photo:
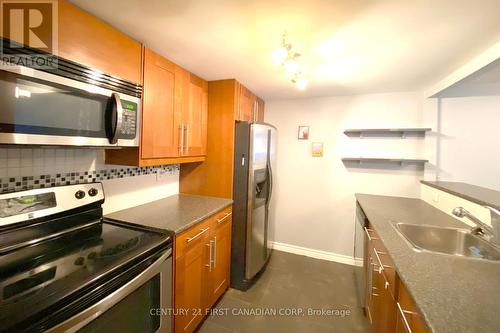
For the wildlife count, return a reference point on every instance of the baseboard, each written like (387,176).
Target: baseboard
(317,254)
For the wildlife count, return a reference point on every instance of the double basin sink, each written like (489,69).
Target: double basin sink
(451,241)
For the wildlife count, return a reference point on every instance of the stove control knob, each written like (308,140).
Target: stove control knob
(80,194)
(79,261)
(93,192)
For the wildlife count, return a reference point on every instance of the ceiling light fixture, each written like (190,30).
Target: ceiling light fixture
(285,57)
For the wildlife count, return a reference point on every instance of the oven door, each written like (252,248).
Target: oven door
(40,108)
(135,307)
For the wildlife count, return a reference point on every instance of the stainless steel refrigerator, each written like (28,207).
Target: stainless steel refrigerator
(253,227)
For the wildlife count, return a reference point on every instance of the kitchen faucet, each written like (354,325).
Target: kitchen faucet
(481,228)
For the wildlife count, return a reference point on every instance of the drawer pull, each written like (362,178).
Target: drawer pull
(223,218)
(403,316)
(202,231)
(370,238)
(382,266)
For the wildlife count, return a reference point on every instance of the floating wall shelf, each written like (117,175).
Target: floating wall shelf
(380,132)
(400,161)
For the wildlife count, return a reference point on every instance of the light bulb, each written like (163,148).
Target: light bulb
(292,67)
(280,55)
(301,84)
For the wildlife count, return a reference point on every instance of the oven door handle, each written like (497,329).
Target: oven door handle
(78,321)
(114,118)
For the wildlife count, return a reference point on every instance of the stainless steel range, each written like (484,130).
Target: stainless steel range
(64,268)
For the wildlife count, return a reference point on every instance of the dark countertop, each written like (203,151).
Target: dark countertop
(175,213)
(453,294)
(480,195)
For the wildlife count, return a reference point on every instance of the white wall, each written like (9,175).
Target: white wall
(121,193)
(314,196)
(469,140)
(129,192)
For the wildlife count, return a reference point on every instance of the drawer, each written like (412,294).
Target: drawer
(222,217)
(191,237)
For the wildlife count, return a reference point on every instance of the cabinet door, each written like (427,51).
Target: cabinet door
(160,109)
(246,104)
(194,117)
(388,308)
(85,39)
(219,280)
(408,318)
(191,276)
(260,110)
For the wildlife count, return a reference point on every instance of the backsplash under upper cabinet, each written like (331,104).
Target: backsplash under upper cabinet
(27,168)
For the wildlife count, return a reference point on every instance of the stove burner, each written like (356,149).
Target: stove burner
(119,248)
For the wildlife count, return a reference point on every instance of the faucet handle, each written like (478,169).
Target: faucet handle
(495,223)
(495,213)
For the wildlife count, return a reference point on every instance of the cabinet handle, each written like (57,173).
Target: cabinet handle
(382,266)
(187,138)
(209,265)
(181,145)
(202,231)
(368,234)
(223,218)
(403,316)
(215,251)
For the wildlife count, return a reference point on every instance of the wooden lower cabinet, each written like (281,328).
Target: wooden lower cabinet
(220,274)
(389,306)
(202,267)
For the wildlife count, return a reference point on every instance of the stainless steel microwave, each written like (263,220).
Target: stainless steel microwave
(68,105)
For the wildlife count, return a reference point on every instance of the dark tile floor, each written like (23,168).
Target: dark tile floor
(292,282)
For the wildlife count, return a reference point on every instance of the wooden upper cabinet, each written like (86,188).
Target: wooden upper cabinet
(85,39)
(246,107)
(160,109)
(174,116)
(194,117)
(260,110)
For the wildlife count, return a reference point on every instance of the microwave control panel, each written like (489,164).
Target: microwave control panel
(129,120)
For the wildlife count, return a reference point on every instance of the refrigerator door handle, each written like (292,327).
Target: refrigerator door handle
(270,192)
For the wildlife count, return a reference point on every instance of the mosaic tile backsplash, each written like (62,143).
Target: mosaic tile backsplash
(26,168)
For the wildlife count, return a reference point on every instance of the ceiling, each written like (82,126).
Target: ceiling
(348,47)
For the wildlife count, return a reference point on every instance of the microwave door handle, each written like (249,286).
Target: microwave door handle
(117,113)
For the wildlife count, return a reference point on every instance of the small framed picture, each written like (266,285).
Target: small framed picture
(303,133)
(317,149)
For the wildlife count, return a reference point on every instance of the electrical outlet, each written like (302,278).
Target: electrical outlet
(161,174)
